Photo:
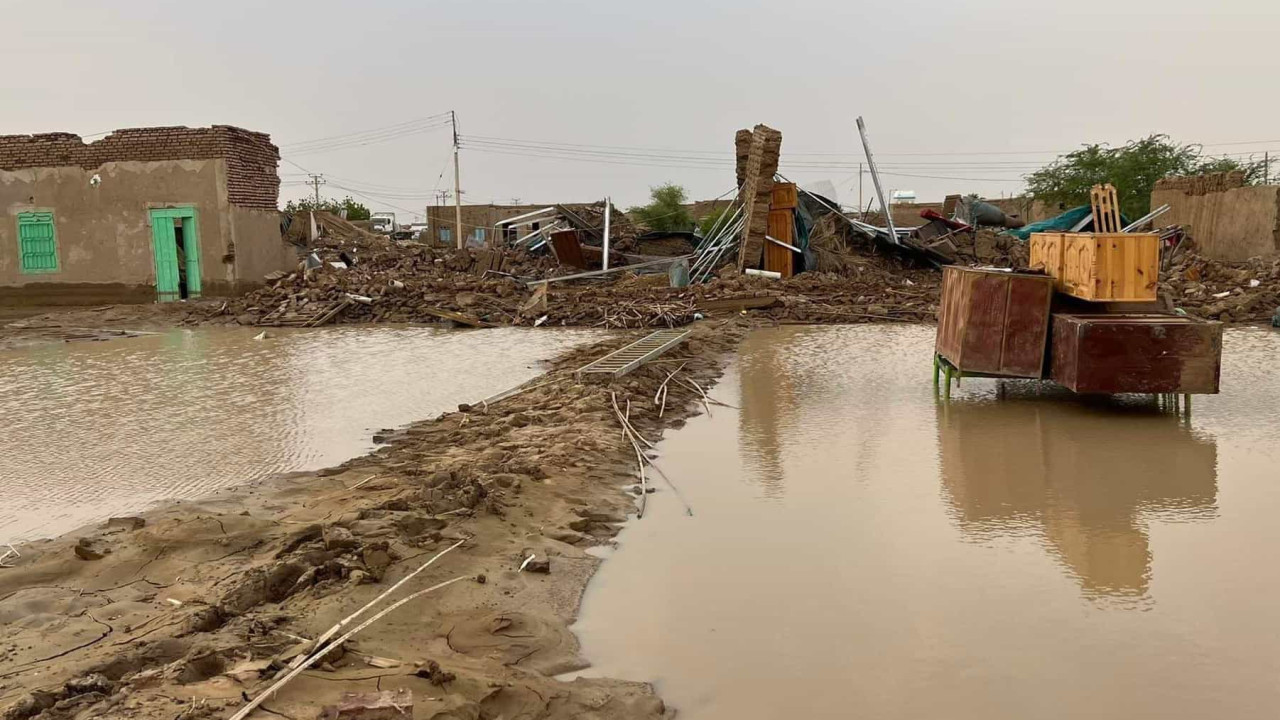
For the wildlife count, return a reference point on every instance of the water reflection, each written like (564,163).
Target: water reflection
(94,429)
(1024,464)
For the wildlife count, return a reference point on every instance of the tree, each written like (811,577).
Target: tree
(1133,169)
(355,210)
(714,218)
(666,211)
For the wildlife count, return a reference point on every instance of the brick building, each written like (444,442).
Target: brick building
(142,214)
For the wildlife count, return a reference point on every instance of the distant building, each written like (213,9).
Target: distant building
(142,214)
(479,222)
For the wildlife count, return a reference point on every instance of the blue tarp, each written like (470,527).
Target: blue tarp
(1061,223)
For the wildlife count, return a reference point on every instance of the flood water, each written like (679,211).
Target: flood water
(859,549)
(99,429)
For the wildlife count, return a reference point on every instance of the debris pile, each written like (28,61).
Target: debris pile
(394,283)
(1244,292)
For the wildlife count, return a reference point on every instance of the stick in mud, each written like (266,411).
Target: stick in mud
(644,483)
(343,622)
(253,704)
(708,398)
(662,390)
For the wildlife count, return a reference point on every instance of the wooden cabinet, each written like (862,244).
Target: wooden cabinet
(1104,267)
(777,258)
(994,323)
(1145,353)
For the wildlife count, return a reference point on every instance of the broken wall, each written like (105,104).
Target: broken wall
(757,191)
(1230,222)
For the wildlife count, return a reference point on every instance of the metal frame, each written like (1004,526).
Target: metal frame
(624,360)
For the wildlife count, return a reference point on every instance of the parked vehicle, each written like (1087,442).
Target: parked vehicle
(383,222)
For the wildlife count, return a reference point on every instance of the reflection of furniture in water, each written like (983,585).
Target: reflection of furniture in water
(1077,474)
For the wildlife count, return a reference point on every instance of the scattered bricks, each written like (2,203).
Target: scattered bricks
(384,705)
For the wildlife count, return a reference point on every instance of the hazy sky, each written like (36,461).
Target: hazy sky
(659,85)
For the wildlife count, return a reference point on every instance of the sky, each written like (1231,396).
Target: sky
(572,101)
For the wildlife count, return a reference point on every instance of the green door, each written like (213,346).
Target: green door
(164,238)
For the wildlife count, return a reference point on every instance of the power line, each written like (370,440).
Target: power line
(365,140)
(364,132)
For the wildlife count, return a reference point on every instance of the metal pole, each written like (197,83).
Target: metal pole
(875,181)
(859,186)
(457,183)
(608,207)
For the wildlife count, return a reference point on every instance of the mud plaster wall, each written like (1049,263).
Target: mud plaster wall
(104,232)
(259,248)
(1230,225)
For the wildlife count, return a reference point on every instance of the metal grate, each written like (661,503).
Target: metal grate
(621,362)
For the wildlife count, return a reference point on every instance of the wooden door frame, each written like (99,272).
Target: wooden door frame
(190,242)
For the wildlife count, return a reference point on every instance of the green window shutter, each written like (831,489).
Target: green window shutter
(37,243)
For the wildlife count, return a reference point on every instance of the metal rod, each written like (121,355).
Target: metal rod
(776,241)
(1145,219)
(510,222)
(875,180)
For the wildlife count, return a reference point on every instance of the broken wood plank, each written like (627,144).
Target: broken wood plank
(457,317)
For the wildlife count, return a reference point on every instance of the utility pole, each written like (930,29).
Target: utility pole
(608,209)
(457,183)
(859,186)
(317,181)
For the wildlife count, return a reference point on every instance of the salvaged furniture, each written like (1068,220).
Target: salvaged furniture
(994,323)
(1145,353)
(1101,267)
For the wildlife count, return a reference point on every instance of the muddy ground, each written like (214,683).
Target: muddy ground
(191,609)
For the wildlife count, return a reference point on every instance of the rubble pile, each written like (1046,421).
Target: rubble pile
(335,233)
(415,283)
(1243,292)
(990,248)
(392,283)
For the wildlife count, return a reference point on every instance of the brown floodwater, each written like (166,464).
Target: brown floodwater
(104,428)
(859,549)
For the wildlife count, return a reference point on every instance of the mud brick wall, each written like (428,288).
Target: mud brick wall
(742,153)
(1202,184)
(251,157)
(1231,222)
(757,191)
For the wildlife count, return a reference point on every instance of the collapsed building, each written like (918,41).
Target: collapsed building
(143,214)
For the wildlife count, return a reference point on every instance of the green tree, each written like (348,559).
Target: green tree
(712,219)
(666,211)
(355,210)
(1132,168)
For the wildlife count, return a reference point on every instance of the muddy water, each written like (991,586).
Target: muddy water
(860,550)
(95,429)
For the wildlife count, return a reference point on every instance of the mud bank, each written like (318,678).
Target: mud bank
(193,608)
